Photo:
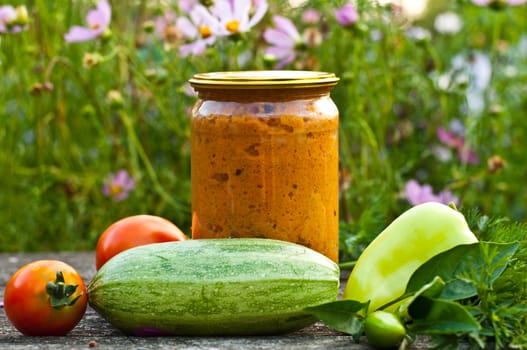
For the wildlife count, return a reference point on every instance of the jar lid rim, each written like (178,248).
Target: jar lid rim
(264,78)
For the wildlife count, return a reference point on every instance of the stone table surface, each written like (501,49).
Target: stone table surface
(93,332)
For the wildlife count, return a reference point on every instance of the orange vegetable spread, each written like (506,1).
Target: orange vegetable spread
(264,163)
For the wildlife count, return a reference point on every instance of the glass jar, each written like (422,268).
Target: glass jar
(264,157)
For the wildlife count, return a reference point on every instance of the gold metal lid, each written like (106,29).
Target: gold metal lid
(262,79)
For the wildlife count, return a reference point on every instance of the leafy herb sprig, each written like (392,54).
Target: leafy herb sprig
(473,295)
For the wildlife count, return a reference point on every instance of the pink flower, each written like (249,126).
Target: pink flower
(417,194)
(200,31)
(347,15)
(98,22)
(164,22)
(187,5)
(467,156)
(449,138)
(13,20)
(118,185)
(498,3)
(166,29)
(284,40)
(7,18)
(225,18)
(189,91)
(311,16)
(238,16)
(453,140)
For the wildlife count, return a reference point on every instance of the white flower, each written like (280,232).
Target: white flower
(200,31)
(238,16)
(418,33)
(477,65)
(478,68)
(448,23)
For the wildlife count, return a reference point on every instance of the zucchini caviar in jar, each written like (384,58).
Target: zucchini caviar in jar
(264,157)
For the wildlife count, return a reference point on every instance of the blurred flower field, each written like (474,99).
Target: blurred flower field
(94,124)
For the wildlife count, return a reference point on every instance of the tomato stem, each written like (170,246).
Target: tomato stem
(60,293)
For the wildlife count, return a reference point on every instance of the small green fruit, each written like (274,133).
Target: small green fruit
(384,330)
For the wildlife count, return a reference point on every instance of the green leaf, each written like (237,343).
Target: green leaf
(432,289)
(498,255)
(463,267)
(449,265)
(342,315)
(435,316)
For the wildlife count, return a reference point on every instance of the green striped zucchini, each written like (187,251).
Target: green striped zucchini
(241,286)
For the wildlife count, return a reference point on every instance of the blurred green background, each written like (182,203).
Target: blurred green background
(438,97)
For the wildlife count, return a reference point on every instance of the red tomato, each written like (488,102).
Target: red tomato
(45,297)
(134,231)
